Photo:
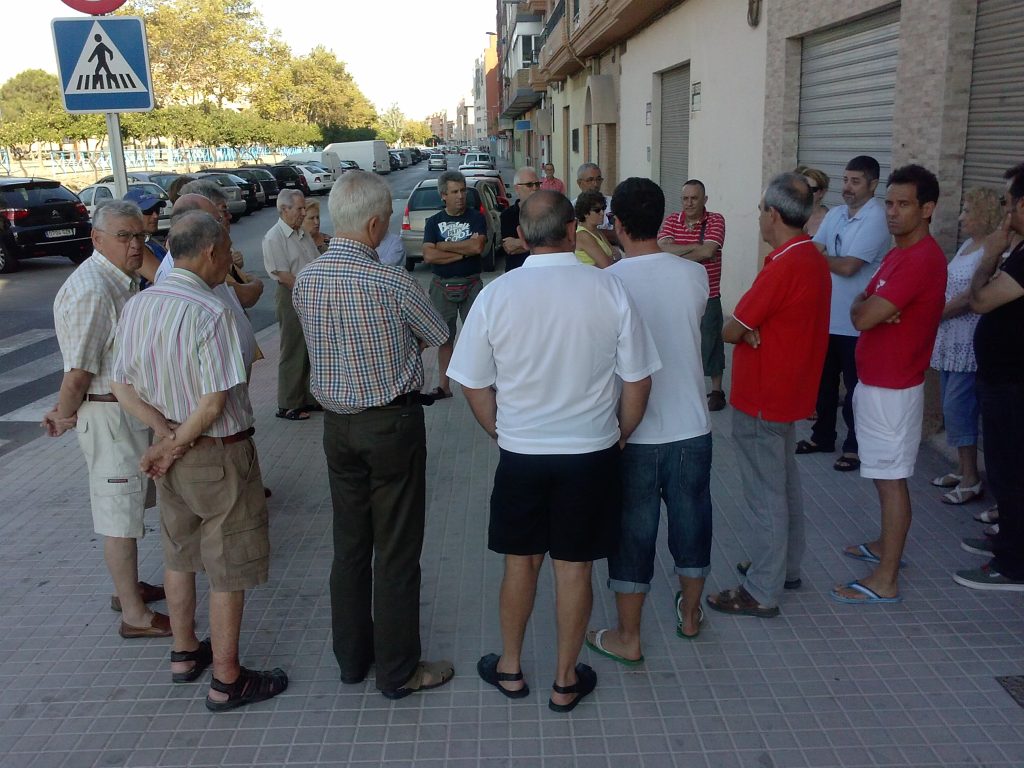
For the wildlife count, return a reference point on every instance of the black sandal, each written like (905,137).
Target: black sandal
(250,687)
(586,682)
(487,668)
(295,414)
(202,658)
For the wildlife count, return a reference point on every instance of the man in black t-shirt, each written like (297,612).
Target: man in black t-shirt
(997,294)
(525,184)
(453,240)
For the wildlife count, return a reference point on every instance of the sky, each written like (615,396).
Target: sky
(395,50)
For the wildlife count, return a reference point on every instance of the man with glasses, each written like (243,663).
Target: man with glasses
(525,184)
(86,312)
(854,238)
(589,179)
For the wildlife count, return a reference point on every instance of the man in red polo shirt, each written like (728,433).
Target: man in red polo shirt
(898,316)
(780,329)
(697,234)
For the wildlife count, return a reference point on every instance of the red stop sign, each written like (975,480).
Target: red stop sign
(95,7)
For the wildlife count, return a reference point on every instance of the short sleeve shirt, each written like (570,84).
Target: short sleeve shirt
(896,355)
(999,337)
(864,236)
(788,304)
(442,227)
(712,226)
(287,250)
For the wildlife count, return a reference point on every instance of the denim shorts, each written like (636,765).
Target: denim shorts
(960,408)
(679,474)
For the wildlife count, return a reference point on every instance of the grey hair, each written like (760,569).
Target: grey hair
(357,197)
(447,176)
(791,196)
(523,172)
(115,209)
(206,188)
(543,218)
(192,233)
(587,167)
(286,198)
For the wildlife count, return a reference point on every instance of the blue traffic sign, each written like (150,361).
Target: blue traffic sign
(103,64)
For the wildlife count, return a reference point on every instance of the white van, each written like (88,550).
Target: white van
(369,155)
(328,160)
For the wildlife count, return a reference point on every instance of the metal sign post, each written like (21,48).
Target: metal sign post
(117,164)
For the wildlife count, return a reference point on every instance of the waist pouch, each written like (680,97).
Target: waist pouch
(456,289)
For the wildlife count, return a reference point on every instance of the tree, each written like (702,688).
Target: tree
(30,91)
(391,125)
(417,132)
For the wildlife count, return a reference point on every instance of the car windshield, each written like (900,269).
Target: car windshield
(429,199)
(152,189)
(38,194)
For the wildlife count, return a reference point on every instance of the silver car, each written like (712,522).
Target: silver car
(95,194)
(437,162)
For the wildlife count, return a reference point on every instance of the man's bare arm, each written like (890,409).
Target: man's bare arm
(484,404)
(692,251)
(64,415)
(845,266)
(140,409)
(287,279)
(991,288)
(474,246)
(434,255)
(160,456)
(868,311)
(249,293)
(632,406)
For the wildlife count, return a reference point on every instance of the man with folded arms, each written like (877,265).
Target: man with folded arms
(552,402)
(179,368)
(780,329)
(366,324)
(85,315)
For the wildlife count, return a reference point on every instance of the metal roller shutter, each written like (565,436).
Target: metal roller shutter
(995,140)
(674,152)
(847,89)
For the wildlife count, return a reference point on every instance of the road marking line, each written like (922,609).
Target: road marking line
(21,340)
(33,412)
(23,374)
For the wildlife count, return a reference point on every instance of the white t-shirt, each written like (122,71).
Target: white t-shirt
(670,294)
(554,338)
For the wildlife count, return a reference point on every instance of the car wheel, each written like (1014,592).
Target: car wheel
(235,218)
(8,263)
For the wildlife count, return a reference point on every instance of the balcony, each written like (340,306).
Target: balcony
(535,6)
(520,95)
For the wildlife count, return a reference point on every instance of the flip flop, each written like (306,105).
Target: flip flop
(700,624)
(867,556)
(870,596)
(846,464)
(989,516)
(594,643)
(948,480)
(295,414)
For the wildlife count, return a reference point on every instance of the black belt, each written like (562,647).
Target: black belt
(409,398)
(101,398)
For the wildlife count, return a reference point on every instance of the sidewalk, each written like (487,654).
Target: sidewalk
(823,685)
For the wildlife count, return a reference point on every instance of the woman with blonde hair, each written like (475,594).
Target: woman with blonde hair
(311,226)
(953,355)
(591,246)
(818,182)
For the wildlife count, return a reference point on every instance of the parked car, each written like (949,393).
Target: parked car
(425,201)
(479,160)
(160,178)
(318,179)
(261,176)
(288,177)
(437,162)
(494,179)
(252,191)
(395,160)
(236,195)
(95,194)
(350,165)
(41,217)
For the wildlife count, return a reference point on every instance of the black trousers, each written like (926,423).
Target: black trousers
(1002,421)
(839,361)
(376,463)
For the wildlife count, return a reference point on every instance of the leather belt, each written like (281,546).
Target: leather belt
(409,398)
(101,398)
(206,440)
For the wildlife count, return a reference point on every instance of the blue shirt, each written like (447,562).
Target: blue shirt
(864,236)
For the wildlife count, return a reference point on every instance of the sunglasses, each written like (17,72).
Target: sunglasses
(530,184)
(597,210)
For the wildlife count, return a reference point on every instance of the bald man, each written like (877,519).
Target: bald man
(524,184)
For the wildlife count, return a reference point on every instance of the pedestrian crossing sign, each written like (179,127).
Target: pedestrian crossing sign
(103,64)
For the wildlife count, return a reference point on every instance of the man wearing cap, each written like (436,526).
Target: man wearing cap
(150,205)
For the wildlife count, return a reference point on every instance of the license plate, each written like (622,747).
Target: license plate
(51,233)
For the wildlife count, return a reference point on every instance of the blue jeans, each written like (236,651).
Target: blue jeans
(679,474)
(960,409)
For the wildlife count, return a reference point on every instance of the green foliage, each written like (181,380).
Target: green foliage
(391,125)
(30,91)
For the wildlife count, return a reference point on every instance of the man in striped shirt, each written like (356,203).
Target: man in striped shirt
(697,234)
(179,365)
(365,324)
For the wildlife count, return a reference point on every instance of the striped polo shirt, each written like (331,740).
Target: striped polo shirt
(675,226)
(177,342)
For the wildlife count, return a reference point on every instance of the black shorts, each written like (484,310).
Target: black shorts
(565,504)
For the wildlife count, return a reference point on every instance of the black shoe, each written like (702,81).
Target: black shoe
(586,682)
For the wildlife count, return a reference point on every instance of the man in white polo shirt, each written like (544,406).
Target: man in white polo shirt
(542,357)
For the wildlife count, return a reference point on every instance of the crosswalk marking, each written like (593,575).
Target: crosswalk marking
(21,340)
(33,412)
(23,374)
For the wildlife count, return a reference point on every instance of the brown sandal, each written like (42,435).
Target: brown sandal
(250,687)
(738,602)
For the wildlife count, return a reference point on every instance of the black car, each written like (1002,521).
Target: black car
(289,178)
(160,178)
(41,217)
(263,177)
(396,163)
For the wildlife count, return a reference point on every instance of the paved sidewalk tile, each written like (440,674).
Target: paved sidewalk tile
(822,685)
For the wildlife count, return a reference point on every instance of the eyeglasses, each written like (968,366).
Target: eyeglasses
(151,212)
(530,184)
(597,210)
(592,178)
(124,237)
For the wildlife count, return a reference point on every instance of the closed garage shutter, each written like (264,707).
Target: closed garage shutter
(995,140)
(847,89)
(674,152)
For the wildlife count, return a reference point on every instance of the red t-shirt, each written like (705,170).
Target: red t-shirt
(714,230)
(896,355)
(789,306)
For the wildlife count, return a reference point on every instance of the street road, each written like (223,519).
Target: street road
(30,361)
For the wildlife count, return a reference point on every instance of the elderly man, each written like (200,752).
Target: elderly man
(552,402)
(525,184)
(85,312)
(179,369)
(453,240)
(286,250)
(551,181)
(366,324)
(780,329)
(697,234)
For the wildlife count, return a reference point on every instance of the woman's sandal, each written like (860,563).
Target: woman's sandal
(250,687)
(963,494)
(586,682)
(487,668)
(201,657)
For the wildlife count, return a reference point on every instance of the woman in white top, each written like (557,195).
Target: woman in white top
(953,355)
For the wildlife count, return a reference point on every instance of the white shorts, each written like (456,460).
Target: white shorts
(113,443)
(888,425)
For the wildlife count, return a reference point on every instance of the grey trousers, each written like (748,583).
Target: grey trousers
(293,365)
(775,513)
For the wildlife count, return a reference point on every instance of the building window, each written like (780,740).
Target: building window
(530,53)
(575,139)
